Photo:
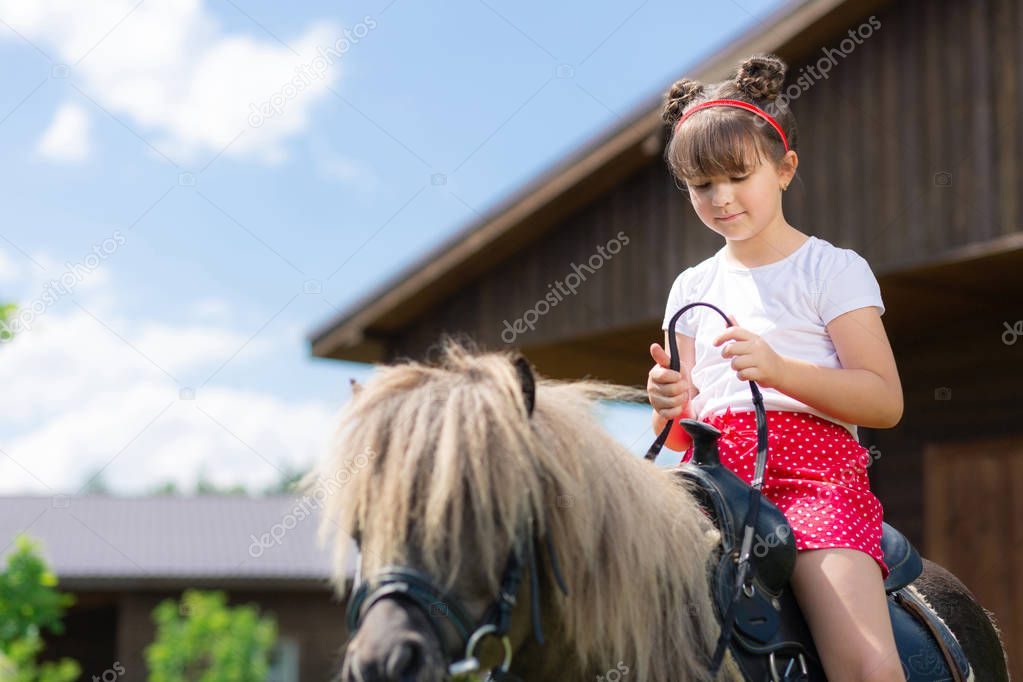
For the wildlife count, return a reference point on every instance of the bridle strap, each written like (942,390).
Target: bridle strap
(400,582)
(395,580)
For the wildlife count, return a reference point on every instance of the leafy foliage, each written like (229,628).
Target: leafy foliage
(30,603)
(201,639)
(7,311)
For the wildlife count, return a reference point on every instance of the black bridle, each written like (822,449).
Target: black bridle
(744,575)
(464,633)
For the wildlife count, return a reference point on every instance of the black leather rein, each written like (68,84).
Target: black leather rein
(743,576)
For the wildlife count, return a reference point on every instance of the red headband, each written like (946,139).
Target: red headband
(742,105)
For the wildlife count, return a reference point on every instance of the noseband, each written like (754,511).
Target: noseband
(396,581)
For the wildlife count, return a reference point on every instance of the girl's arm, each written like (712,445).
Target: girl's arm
(866,390)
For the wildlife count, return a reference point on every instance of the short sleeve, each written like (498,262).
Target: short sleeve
(676,300)
(849,285)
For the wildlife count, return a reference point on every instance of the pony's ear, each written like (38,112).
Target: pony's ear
(528,380)
(356,386)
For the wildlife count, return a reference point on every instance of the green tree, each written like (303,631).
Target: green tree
(7,311)
(30,603)
(286,482)
(204,486)
(95,483)
(165,488)
(201,639)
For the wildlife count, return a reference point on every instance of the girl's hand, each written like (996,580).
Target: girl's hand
(669,391)
(752,357)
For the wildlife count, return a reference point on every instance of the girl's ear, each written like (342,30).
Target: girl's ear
(787,167)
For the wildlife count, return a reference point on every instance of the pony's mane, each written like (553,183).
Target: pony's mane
(436,452)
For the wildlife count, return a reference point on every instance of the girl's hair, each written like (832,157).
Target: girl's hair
(728,140)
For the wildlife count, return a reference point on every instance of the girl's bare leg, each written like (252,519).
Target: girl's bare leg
(841,593)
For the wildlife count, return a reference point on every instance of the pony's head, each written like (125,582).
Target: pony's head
(456,469)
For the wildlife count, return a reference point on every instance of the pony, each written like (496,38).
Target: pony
(456,466)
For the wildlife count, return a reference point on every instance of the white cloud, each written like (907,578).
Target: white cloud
(171,73)
(67,138)
(76,396)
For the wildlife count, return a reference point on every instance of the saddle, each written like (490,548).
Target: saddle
(770,638)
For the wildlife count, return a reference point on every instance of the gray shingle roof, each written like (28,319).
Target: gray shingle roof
(98,540)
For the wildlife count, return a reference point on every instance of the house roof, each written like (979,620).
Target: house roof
(360,332)
(99,542)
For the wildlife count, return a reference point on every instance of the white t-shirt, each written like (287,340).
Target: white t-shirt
(787,303)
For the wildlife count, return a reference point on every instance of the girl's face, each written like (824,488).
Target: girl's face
(739,207)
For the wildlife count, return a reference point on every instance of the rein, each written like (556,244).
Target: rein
(744,575)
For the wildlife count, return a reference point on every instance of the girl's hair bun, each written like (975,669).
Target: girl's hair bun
(680,96)
(761,77)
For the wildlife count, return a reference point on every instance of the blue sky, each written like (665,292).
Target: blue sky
(204,216)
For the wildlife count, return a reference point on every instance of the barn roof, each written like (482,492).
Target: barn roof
(360,332)
(99,542)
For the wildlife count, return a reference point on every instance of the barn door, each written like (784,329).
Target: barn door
(973,526)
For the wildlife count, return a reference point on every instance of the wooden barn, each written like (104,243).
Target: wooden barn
(910,140)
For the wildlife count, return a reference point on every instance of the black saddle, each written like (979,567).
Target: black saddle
(770,639)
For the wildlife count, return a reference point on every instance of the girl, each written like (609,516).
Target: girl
(806,326)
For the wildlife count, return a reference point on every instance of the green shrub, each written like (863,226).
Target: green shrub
(30,603)
(201,639)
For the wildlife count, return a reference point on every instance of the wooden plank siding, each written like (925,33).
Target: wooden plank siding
(974,525)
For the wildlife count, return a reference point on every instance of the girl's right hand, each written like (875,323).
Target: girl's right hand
(669,391)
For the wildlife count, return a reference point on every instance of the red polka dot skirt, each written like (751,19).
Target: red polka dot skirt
(816,475)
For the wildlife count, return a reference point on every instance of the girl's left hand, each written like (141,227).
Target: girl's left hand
(752,357)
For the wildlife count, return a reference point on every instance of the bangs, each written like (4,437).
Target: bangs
(715,146)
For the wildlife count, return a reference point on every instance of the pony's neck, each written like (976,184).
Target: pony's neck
(553,662)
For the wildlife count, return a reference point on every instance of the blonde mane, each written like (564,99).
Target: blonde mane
(435,452)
